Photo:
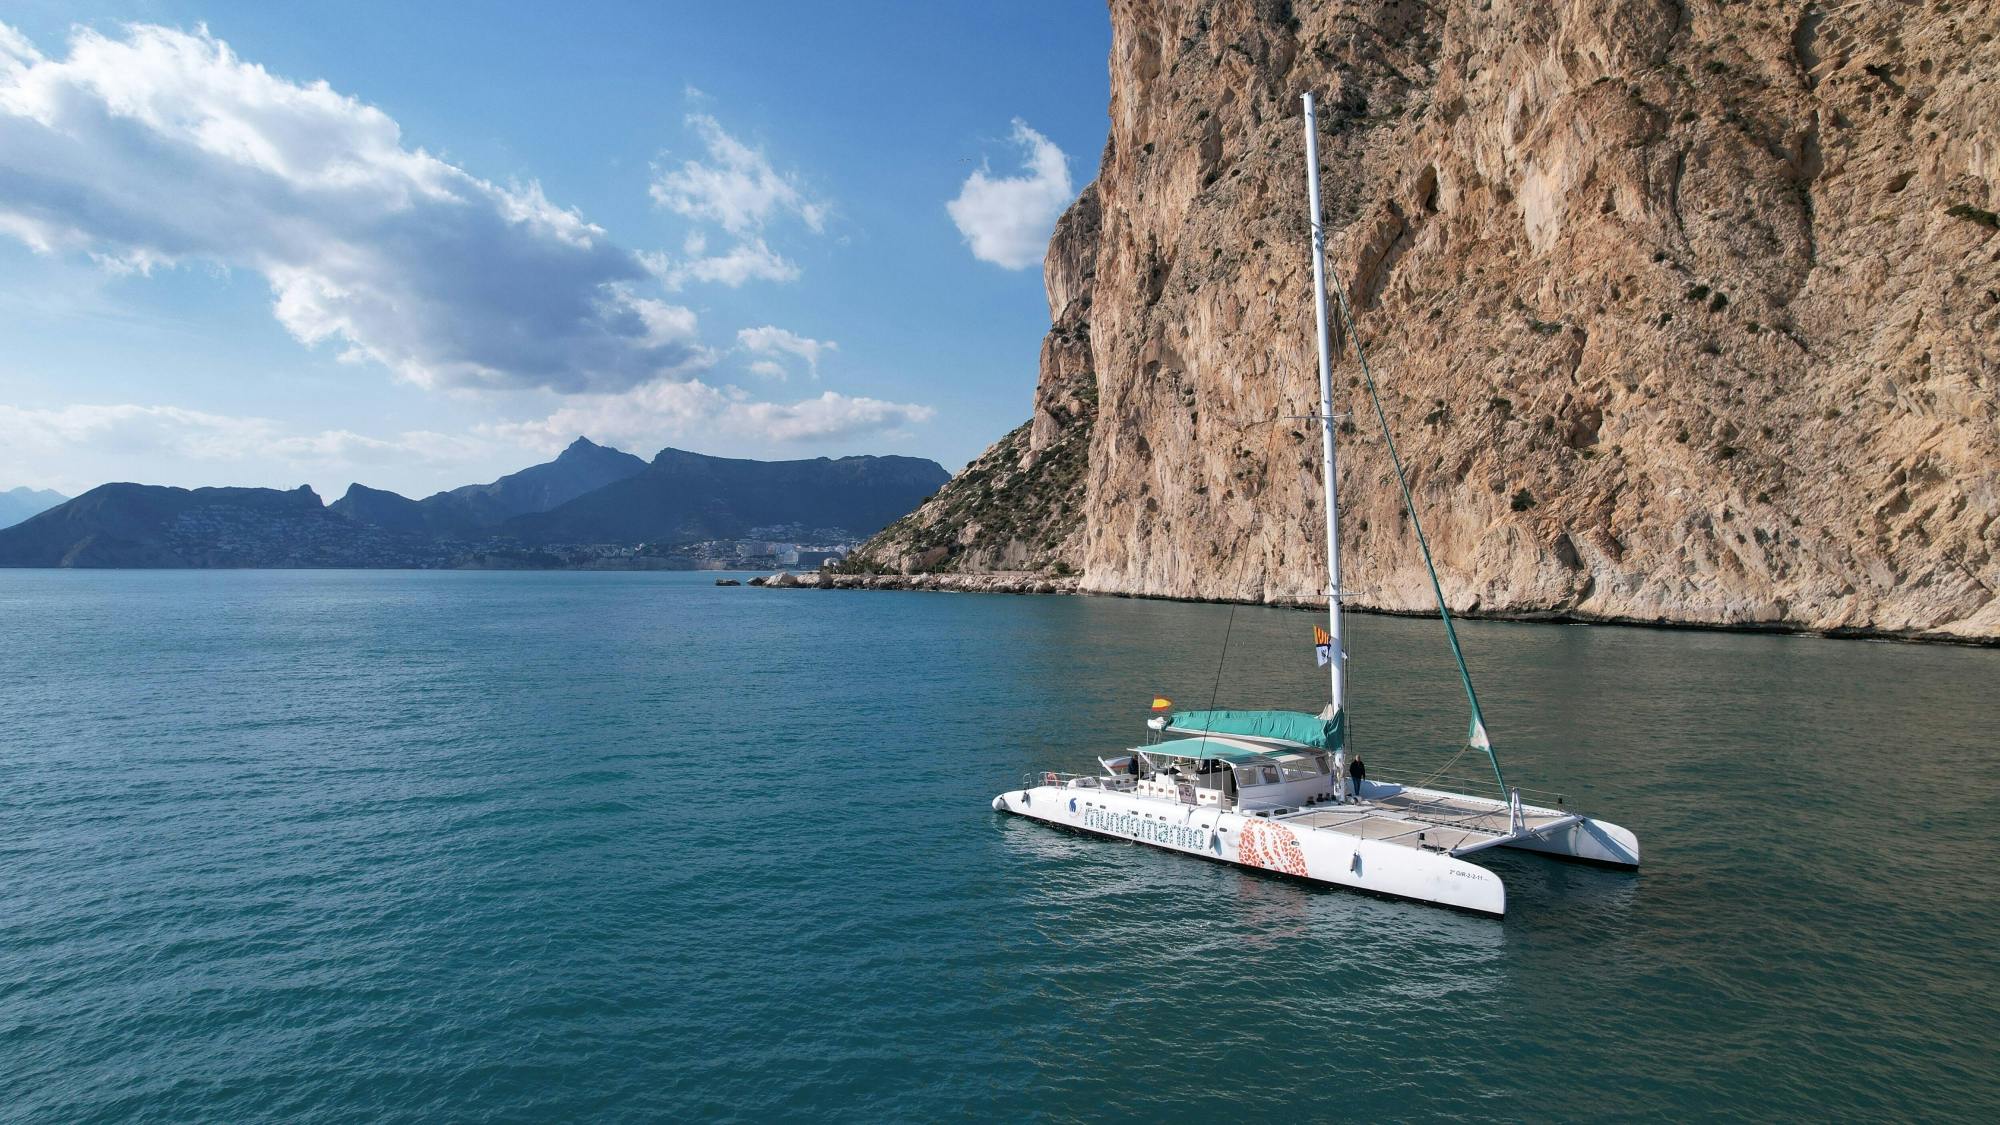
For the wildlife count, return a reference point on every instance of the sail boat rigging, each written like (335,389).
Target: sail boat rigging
(1476,735)
(1259,789)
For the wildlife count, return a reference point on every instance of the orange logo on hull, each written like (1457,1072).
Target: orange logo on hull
(1272,847)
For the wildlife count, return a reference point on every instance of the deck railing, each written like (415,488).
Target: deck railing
(1067,780)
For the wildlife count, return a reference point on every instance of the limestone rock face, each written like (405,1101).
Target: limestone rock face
(1681,311)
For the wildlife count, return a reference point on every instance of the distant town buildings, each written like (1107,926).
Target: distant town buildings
(222,535)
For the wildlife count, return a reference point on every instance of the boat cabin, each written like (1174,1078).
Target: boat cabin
(1231,774)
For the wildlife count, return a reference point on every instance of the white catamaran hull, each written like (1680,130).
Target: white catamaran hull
(1266,843)
(1589,839)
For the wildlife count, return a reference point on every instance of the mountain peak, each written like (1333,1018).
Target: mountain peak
(580,445)
(683,497)
(17,504)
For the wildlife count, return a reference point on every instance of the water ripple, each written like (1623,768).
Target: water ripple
(364,846)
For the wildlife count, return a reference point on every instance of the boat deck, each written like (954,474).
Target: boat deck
(1421,819)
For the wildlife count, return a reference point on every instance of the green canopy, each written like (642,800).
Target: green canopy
(1200,748)
(1294,727)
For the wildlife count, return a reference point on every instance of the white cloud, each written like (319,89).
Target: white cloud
(736,187)
(772,341)
(163,147)
(646,418)
(132,428)
(345,447)
(831,415)
(15,50)
(1007,220)
(749,260)
(132,441)
(769,369)
(151,443)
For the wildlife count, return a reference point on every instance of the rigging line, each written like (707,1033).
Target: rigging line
(1275,419)
(1476,734)
(1440,771)
(1214,833)
(1227,629)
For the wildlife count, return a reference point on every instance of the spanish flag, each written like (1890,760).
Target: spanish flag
(1162,703)
(1322,646)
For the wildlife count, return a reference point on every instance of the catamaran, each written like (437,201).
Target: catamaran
(1265,789)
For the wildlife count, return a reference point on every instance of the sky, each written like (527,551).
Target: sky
(419,246)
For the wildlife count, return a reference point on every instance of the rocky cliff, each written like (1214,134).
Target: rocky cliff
(1681,311)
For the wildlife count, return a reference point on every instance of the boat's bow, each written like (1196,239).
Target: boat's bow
(1465,825)
(1585,838)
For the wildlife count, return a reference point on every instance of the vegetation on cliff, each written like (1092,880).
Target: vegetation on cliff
(1014,508)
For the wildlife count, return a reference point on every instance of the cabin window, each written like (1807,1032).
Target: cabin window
(1297,771)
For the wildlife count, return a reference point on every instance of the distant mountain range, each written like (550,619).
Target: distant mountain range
(584,467)
(569,511)
(17,504)
(682,497)
(146,525)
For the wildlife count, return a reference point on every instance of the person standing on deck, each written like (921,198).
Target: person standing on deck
(1358,773)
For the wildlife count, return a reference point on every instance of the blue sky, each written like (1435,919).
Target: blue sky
(775,230)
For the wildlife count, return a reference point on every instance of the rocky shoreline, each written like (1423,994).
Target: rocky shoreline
(998,582)
(1024,582)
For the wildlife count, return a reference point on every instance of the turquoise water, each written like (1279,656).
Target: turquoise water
(435,846)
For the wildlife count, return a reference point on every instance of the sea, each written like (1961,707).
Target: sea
(554,846)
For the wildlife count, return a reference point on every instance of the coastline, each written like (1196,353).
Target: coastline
(1026,582)
(998,582)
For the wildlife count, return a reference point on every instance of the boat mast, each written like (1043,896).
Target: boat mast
(1476,736)
(1337,650)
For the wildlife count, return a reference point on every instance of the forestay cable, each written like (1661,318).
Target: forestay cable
(1476,733)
